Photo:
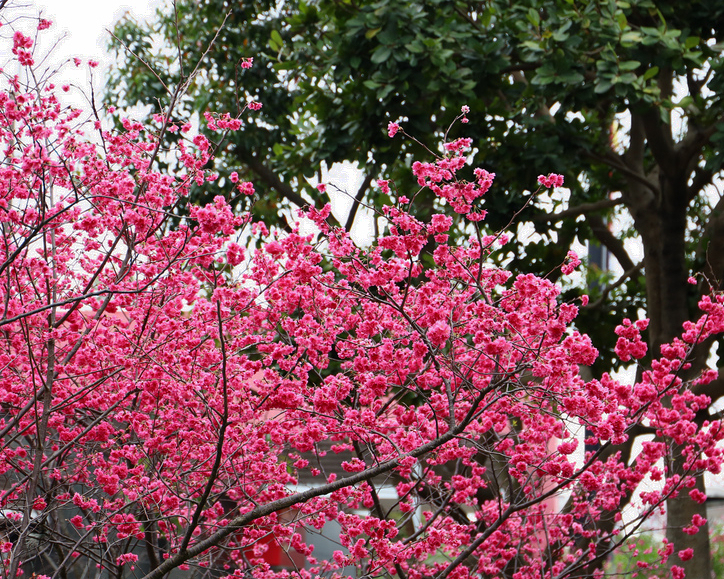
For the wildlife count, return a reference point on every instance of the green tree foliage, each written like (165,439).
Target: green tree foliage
(623,98)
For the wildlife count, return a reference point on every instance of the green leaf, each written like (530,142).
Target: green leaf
(560,35)
(371,84)
(621,19)
(686,102)
(486,17)
(277,38)
(532,45)
(650,40)
(651,73)
(629,38)
(571,77)
(650,31)
(602,86)
(389,36)
(372,33)
(694,56)
(629,65)
(382,93)
(691,42)
(288,65)
(533,17)
(381,54)
(543,79)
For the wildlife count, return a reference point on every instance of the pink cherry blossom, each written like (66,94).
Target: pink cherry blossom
(551,180)
(163,383)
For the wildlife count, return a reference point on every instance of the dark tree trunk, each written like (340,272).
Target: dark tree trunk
(662,223)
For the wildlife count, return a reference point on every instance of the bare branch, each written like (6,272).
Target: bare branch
(358,199)
(620,281)
(616,162)
(270,177)
(289,501)
(660,142)
(609,240)
(581,209)
(138,57)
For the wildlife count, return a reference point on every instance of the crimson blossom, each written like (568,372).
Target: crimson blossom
(163,395)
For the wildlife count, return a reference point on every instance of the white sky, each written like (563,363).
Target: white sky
(79,30)
(84,21)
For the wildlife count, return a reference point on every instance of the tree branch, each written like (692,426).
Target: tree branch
(620,281)
(616,162)
(634,155)
(660,142)
(581,209)
(702,178)
(270,177)
(201,504)
(357,200)
(609,240)
(711,245)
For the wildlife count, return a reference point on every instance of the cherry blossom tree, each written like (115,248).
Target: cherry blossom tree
(164,389)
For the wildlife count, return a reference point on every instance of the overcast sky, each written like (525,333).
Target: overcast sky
(85,21)
(79,29)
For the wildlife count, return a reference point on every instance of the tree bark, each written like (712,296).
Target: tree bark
(662,224)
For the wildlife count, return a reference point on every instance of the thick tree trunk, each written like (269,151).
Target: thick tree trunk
(679,512)
(662,224)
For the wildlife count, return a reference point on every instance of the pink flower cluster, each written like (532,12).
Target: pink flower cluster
(551,180)
(572,262)
(465,109)
(163,382)
(441,178)
(629,344)
(222,122)
(21,49)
